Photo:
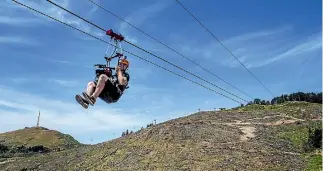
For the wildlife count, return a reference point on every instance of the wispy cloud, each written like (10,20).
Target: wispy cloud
(141,72)
(8,4)
(139,17)
(256,35)
(255,49)
(59,61)
(65,83)
(94,8)
(148,96)
(18,21)
(16,40)
(20,80)
(306,46)
(74,64)
(51,10)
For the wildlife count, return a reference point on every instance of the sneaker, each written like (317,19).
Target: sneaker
(91,100)
(81,101)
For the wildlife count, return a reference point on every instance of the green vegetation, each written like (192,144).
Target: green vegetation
(307,138)
(298,137)
(298,96)
(313,162)
(304,136)
(300,110)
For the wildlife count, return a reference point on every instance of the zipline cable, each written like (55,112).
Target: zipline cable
(148,51)
(169,47)
(126,51)
(225,47)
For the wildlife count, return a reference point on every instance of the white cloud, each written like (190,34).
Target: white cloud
(254,49)
(307,46)
(141,72)
(16,40)
(50,10)
(149,98)
(59,61)
(20,80)
(61,115)
(22,106)
(256,35)
(94,8)
(74,64)
(8,4)
(139,17)
(65,83)
(18,21)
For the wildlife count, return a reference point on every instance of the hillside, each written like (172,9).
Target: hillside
(255,137)
(37,136)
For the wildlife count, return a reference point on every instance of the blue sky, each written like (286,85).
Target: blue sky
(44,63)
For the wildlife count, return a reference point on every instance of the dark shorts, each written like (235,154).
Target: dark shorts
(110,93)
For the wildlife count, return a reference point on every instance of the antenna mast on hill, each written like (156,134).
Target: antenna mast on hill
(38,119)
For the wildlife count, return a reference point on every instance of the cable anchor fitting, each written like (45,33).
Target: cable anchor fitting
(114,35)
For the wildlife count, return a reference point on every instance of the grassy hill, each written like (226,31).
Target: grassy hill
(31,139)
(255,137)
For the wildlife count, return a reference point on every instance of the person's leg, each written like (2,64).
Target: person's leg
(101,83)
(91,97)
(90,88)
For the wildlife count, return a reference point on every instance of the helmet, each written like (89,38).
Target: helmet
(124,64)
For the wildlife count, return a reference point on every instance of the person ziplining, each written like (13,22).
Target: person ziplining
(108,86)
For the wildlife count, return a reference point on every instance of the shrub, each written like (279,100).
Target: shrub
(314,140)
(3,148)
